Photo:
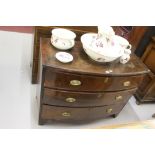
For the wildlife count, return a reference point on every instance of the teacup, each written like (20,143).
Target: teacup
(62,38)
(127,51)
(124,58)
(122,42)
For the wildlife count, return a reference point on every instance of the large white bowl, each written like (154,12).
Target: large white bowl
(62,39)
(104,55)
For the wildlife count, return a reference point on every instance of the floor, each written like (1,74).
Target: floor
(18,104)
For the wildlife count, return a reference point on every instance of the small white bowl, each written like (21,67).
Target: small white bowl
(64,57)
(62,38)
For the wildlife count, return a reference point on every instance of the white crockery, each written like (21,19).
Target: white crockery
(64,57)
(105,46)
(100,54)
(62,38)
(124,58)
(127,51)
(121,41)
(106,31)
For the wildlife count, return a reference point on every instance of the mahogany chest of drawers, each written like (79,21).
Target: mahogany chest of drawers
(84,90)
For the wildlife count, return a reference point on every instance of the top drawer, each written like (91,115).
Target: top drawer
(79,82)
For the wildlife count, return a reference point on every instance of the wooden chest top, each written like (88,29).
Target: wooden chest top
(83,65)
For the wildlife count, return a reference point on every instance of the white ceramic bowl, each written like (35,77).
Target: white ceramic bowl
(106,55)
(122,42)
(62,38)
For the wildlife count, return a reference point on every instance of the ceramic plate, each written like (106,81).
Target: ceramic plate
(64,57)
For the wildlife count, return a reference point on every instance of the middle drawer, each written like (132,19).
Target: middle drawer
(82,99)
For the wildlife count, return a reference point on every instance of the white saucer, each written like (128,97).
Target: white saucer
(64,57)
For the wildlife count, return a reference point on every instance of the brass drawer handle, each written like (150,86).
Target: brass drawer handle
(66,114)
(75,82)
(109,110)
(70,99)
(127,83)
(119,97)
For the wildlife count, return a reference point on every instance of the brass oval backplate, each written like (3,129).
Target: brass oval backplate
(70,99)
(66,114)
(75,82)
(126,83)
(119,97)
(109,110)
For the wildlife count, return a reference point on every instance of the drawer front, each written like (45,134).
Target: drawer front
(75,114)
(69,81)
(83,99)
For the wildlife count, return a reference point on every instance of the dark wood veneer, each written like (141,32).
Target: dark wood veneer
(83,99)
(78,114)
(83,64)
(55,79)
(146,91)
(100,94)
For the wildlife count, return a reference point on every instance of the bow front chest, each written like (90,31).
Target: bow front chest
(84,90)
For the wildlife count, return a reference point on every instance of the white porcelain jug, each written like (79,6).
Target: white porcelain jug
(107,41)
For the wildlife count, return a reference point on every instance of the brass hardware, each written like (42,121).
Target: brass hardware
(106,80)
(119,98)
(66,114)
(108,71)
(75,82)
(126,83)
(109,111)
(70,99)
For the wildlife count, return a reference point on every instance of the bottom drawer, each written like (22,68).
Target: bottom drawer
(64,113)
